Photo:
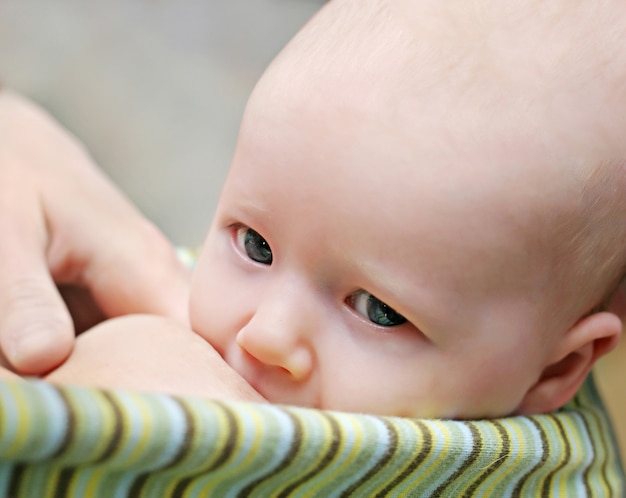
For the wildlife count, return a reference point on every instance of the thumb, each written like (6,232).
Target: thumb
(36,330)
(139,273)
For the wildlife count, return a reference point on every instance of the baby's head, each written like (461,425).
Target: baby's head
(426,210)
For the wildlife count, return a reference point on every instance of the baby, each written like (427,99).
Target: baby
(425,216)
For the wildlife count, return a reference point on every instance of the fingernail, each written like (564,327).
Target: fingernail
(37,349)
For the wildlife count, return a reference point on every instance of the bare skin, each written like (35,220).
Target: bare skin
(64,223)
(149,353)
(421,224)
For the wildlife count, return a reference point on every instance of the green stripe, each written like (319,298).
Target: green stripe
(65,477)
(322,453)
(425,448)
(545,451)
(232,429)
(118,428)
(379,465)
(329,455)
(71,424)
(594,451)
(296,439)
(183,450)
(502,456)
(16,479)
(600,443)
(587,397)
(545,490)
(477,446)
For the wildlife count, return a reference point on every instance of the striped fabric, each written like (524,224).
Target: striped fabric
(82,442)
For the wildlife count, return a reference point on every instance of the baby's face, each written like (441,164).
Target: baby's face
(340,273)
(333,278)
(374,257)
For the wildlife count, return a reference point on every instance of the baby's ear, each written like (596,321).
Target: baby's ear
(574,356)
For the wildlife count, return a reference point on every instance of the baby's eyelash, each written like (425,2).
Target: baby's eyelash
(253,245)
(375,310)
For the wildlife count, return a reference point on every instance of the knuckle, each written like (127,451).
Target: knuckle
(29,294)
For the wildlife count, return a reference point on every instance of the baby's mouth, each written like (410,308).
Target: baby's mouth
(245,368)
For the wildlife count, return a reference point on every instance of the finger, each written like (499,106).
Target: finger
(141,277)
(36,331)
(108,247)
(128,266)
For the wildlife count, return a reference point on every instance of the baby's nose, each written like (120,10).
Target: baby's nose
(280,334)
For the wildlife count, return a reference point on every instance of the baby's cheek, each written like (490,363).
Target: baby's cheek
(212,312)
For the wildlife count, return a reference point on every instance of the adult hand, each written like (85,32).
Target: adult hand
(63,223)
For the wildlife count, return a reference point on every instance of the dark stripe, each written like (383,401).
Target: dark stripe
(181,453)
(16,479)
(294,447)
(426,445)
(118,428)
(70,429)
(586,477)
(65,476)
(593,408)
(568,453)
(581,408)
(391,449)
(545,452)
(502,457)
(606,443)
(324,462)
(602,418)
(477,446)
(232,429)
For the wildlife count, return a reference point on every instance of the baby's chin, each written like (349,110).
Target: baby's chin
(429,409)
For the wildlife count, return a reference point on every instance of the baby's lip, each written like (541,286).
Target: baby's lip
(255,385)
(280,390)
(247,373)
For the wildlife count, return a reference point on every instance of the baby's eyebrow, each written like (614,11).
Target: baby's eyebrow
(383,285)
(250,206)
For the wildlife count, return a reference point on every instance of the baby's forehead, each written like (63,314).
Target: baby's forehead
(534,45)
(499,74)
(505,96)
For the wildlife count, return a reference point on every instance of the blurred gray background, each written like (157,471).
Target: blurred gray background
(154,88)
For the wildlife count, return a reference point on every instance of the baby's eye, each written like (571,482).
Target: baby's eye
(254,245)
(375,310)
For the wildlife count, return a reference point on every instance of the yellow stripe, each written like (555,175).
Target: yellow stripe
(141,430)
(208,459)
(313,488)
(24,420)
(228,469)
(440,451)
(321,451)
(357,445)
(97,478)
(223,434)
(556,456)
(516,441)
(576,456)
(256,443)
